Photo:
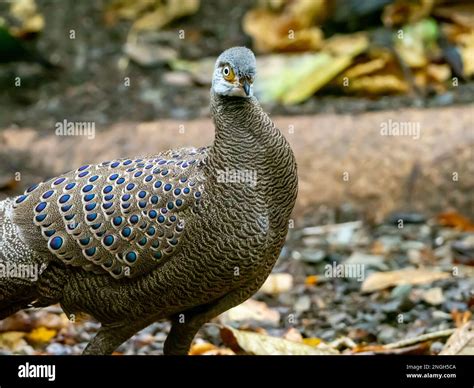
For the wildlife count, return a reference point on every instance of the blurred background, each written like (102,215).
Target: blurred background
(376,98)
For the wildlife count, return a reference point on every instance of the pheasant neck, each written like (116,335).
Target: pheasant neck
(246,140)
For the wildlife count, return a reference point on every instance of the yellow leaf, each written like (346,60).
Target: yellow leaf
(381,280)
(259,344)
(41,335)
(312,341)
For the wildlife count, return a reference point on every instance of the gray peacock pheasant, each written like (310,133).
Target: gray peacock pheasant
(182,235)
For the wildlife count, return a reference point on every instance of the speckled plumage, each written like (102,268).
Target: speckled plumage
(213,248)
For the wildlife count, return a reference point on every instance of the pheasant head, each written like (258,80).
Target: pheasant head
(234,73)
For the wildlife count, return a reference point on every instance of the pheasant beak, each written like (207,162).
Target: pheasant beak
(246,85)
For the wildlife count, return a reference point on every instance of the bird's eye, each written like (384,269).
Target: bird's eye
(228,73)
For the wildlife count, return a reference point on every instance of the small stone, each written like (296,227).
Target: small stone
(386,334)
(312,255)
(58,349)
(433,296)
(436,347)
(303,303)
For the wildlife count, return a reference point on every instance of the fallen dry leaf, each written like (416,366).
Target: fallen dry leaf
(149,15)
(277,283)
(41,335)
(289,29)
(311,280)
(257,344)
(251,310)
(12,340)
(455,220)
(461,342)
(381,280)
(200,348)
(460,318)
(293,334)
(406,11)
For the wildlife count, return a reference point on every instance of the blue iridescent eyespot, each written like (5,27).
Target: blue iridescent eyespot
(142,241)
(161,219)
(151,231)
(49,233)
(197,194)
(130,186)
(153,213)
(64,198)
(148,178)
(162,162)
(168,187)
(91,217)
(126,197)
(170,205)
(115,164)
(131,257)
(174,242)
(142,194)
(137,174)
(127,162)
(107,189)
(41,206)
(154,199)
(134,219)
(117,221)
(164,172)
(120,180)
(157,255)
(66,208)
(84,241)
(69,217)
(90,206)
(59,181)
(108,240)
(179,202)
(83,174)
(90,251)
(87,188)
(183,179)
(158,184)
(177,191)
(109,197)
(93,178)
(82,168)
(40,217)
(48,194)
(173,218)
(70,186)
(126,232)
(186,190)
(56,243)
(31,188)
(97,226)
(89,197)
(141,204)
(113,177)
(107,205)
(148,166)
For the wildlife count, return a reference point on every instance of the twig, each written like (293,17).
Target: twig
(421,338)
